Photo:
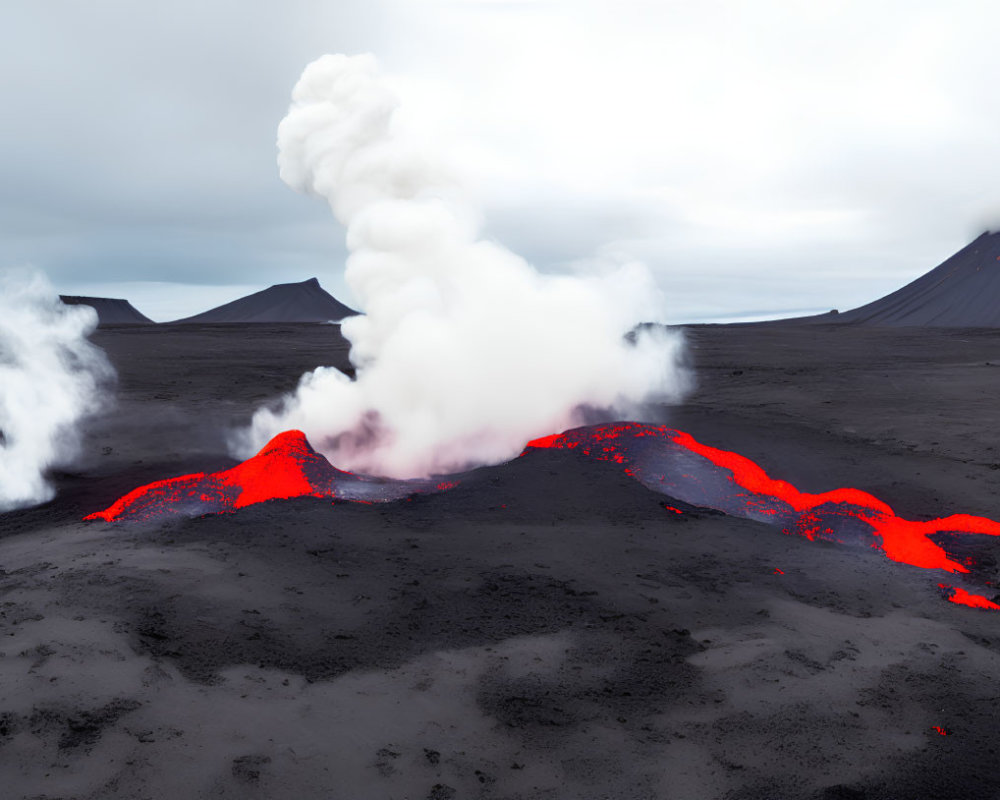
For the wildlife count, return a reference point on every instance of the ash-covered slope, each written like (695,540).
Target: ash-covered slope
(110,311)
(285,302)
(963,292)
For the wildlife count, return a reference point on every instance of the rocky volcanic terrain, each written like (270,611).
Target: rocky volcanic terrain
(547,629)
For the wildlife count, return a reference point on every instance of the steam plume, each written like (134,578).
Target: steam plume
(465,352)
(50,378)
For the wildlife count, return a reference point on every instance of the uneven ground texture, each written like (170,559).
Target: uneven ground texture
(546,630)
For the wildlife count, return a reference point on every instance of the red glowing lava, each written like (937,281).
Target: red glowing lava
(668,461)
(285,467)
(277,471)
(956,594)
(753,493)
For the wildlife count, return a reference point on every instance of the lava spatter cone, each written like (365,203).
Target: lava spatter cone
(285,467)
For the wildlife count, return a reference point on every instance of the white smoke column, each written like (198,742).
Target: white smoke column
(51,377)
(464,352)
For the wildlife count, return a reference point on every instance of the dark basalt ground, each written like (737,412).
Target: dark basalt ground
(546,630)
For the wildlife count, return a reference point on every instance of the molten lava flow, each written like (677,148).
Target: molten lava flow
(277,471)
(665,460)
(956,594)
(285,467)
(685,469)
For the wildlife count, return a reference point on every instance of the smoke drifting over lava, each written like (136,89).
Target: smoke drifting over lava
(464,351)
(51,377)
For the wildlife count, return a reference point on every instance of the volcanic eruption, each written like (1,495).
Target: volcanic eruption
(463,351)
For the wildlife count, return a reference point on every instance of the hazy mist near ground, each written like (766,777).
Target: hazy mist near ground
(51,379)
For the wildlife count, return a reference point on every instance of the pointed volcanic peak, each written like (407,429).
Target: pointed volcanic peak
(285,302)
(110,311)
(963,292)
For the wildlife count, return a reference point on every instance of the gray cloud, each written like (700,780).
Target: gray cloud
(756,156)
(142,140)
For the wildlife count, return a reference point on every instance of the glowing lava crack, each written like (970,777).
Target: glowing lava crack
(665,460)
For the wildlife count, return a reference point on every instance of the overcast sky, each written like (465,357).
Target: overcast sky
(760,156)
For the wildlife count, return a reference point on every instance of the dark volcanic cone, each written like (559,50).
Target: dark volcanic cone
(284,302)
(110,311)
(963,292)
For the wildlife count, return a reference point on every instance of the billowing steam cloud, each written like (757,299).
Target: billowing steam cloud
(50,378)
(465,351)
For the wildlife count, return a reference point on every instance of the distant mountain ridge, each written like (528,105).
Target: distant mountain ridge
(110,310)
(284,302)
(961,292)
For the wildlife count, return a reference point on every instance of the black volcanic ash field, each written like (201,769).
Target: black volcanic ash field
(547,629)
